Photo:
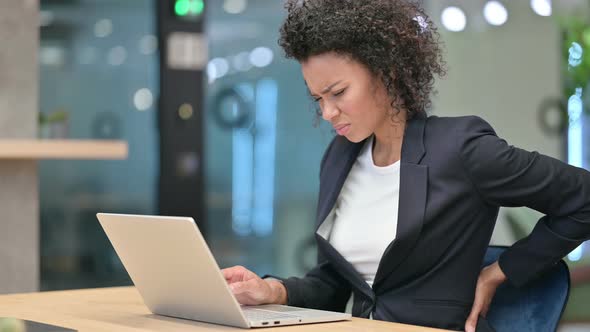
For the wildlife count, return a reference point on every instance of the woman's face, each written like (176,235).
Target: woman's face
(350,97)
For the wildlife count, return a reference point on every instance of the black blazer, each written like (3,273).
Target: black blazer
(455,174)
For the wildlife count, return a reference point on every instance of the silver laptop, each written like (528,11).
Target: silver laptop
(176,274)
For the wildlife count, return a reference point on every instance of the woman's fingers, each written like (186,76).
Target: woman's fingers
(471,322)
(247,287)
(235,274)
(251,292)
(489,279)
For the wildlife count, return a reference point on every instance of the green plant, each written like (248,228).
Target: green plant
(57,116)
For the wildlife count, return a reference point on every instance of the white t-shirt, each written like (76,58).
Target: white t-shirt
(365,213)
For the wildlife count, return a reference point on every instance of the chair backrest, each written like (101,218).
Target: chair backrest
(535,307)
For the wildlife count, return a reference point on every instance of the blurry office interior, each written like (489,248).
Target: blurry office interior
(521,65)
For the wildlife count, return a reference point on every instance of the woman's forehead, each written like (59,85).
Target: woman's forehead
(321,71)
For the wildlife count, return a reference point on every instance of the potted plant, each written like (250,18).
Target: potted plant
(53,125)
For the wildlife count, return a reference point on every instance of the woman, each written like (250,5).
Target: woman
(408,202)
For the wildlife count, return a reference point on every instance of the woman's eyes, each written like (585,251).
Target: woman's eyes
(336,94)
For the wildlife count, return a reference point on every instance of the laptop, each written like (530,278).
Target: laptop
(176,275)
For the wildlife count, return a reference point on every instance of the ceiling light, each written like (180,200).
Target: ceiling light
(541,7)
(495,13)
(454,19)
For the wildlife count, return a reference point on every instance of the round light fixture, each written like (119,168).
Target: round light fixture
(495,13)
(454,19)
(542,7)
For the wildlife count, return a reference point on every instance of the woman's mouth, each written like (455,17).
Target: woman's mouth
(342,129)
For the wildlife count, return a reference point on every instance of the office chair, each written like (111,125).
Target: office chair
(536,307)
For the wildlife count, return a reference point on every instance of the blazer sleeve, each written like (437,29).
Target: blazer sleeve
(505,175)
(322,287)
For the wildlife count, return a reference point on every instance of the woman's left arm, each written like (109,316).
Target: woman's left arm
(508,176)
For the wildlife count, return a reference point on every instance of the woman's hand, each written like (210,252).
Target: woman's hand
(250,289)
(489,279)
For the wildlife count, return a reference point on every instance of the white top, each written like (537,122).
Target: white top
(365,214)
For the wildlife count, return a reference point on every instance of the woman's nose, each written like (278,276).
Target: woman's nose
(329,111)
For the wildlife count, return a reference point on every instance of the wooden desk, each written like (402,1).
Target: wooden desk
(122,310)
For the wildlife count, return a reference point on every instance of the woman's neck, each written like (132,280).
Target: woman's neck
(387,145)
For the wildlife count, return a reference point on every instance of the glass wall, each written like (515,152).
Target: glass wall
(262,149)
(98,80)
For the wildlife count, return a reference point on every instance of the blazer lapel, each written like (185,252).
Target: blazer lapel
(338,166)
(343,266)
(412,200)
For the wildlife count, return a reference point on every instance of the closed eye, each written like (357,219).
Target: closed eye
(336,94)
(339,92)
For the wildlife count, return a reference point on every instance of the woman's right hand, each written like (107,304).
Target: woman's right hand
(250,289)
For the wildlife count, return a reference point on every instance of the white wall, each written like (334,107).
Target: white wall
(502,74)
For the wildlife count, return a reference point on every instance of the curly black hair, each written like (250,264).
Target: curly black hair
(394,39)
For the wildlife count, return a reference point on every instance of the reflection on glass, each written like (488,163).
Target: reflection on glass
(575,139)
(264,156)
(575,109)
(253,162)
(242,169)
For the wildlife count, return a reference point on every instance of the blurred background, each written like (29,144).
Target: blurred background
(219,126)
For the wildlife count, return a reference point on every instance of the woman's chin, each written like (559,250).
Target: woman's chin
(354,138)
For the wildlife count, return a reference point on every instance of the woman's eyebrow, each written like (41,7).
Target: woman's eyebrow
(328,88)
